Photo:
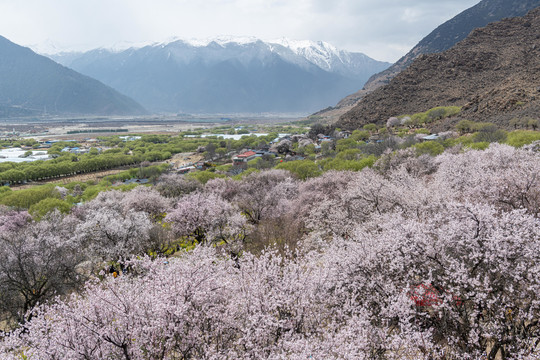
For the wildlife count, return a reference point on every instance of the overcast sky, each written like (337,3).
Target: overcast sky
(382,29)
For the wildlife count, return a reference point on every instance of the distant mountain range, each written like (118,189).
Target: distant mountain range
(442,38)
(494,74)
(225,75)
(31,84)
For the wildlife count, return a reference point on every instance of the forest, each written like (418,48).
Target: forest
(417,256)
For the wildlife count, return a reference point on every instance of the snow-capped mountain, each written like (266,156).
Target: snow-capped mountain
(226,74)
(326,56)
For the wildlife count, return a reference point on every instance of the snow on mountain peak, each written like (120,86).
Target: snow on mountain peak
(299,45)
(304,53)
(222,40)
(320,53)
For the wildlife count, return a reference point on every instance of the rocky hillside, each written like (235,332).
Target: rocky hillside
(32,84)
(442,38)
(229,74)
(494,74)
(453,31)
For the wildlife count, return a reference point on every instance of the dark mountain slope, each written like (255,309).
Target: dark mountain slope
(442,38)
(494,74)
(453,31)
(34,84)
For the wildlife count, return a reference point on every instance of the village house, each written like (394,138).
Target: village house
(186,169)
(241,160)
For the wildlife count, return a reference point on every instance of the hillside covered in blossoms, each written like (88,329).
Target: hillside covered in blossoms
(417,257)
(216,229)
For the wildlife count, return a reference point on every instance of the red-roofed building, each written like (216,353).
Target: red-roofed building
(241,160)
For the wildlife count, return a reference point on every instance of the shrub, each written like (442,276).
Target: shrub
(45,206)
(360,135)
(349,165)
(370,127)
(483,145)
(465,126)
(344,144)
(4,190)
(522,137)
(25,198)
(490,133)
(303,169)
(350,154)
(431,115)
(429,147)
(204,176)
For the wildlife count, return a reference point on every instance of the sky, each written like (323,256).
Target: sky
(383,29)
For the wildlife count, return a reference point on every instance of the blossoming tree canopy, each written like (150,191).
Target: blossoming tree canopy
(415,258)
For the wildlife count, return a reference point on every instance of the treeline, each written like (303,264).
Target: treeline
(44,198)
(180,144)
(97,131)
(9,143)
(43,170)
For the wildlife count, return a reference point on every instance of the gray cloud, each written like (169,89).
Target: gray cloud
(383,29)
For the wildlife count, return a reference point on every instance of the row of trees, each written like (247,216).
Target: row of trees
(419,257)
(49,169)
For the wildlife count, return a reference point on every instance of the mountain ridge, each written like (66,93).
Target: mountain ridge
(33,84)
(317,52)
(282,76)
(453,31)
(493,74)
(440,39)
